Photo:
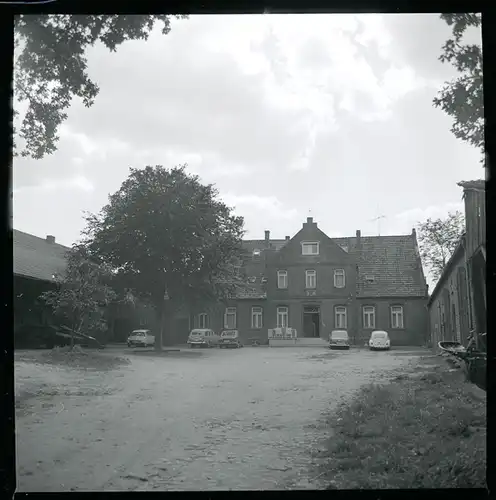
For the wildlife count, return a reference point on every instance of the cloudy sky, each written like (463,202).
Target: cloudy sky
(289,115)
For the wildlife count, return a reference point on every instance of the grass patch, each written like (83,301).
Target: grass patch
(426,431)
(75,358)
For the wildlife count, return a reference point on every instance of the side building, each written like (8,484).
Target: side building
(458,302)
(37,264)
(314,284)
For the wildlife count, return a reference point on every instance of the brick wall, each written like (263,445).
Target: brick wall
(415,320)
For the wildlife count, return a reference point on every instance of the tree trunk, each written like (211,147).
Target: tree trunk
(162,316)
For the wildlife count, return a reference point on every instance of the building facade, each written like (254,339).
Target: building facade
(474,196)
(316,284)
(450,305)
(457,304)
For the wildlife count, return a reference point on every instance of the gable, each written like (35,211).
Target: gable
(329,250)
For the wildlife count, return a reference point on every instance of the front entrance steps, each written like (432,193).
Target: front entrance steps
(299,342)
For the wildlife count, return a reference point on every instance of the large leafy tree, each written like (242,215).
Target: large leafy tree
(169,239)
(438,239)
(81,294)
(50,67)
(462,98)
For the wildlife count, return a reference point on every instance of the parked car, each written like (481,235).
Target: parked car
(141,338)
(379,339)
(203,337)
(339,339)
(230,338)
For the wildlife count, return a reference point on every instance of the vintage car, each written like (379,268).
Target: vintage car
(339,339)
(230,338)
(379,339)
(203,337)
(141,338)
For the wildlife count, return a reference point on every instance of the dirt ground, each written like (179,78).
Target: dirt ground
(189,420)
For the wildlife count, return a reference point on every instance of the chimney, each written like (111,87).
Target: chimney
(50,239)
(414,233)
(267,238)
(309,220)
(358,236)
(287,238)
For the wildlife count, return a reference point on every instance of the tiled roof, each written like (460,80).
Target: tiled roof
(35,257)
(392,261)
(251,245)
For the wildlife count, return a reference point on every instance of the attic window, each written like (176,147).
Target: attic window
(256,252)
(369,279)
(252,279)
(310,248)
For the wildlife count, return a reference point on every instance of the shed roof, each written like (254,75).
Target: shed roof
(35,257)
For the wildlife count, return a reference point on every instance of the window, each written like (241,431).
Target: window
(282,317)
(369,279)
(310,248)
(282,279)
(230,318)
(340,317)
(369,317)
(339,278)
(256,317)
(397,317)
(203,320)
(310,279)
(256,254)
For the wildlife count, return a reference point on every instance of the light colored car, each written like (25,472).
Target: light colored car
(339,339)
(143,338)
(203,337)
(379,339)
(230,338)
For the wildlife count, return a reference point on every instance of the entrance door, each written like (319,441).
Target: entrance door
(311,321)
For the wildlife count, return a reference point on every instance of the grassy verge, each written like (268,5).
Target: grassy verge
(424,430)
(76,358)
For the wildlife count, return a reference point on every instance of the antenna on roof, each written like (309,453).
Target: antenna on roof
(378,219)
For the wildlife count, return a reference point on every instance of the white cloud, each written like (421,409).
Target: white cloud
(269,205)
(78,182)
(418,214)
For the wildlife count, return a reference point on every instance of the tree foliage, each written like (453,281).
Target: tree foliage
(81,292)
(168,235)
(438,239)
(462,98)
(51,67)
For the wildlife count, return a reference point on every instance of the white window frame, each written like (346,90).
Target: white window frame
(368,312)
(282,319)
(282,274)
(397,317)
(309,274)
(338,273)
(341,312)
(256,317)
(230,311)
(307,245)
(203,320)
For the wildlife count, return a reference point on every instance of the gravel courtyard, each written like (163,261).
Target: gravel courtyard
(191,420)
